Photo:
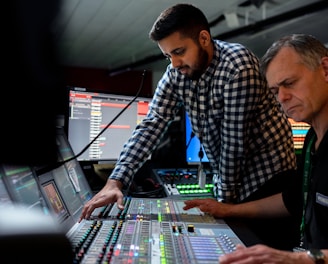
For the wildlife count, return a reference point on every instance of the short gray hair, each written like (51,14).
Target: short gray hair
(310,49)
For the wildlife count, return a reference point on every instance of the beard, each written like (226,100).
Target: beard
(200,66)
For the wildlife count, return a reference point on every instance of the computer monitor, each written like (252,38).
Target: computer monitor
(299,130)
(91,111)
(192,144)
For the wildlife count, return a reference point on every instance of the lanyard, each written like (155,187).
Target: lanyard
(306,177)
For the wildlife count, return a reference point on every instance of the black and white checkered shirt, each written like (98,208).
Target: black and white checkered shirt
(246,136)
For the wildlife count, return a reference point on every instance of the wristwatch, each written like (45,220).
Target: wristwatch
(316,255)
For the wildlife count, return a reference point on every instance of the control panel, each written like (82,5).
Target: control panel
(152,231)
(184,182)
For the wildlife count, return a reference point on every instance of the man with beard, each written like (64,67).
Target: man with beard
(246,136)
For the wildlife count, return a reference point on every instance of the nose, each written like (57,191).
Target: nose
(176,61)
(283,95)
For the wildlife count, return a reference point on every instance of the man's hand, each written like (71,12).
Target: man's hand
(263,254)
(110,193)
(210,206)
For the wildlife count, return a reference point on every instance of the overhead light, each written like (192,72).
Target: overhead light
(232,19)
(257,3)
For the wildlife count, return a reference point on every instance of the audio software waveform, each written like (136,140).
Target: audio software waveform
(152,231)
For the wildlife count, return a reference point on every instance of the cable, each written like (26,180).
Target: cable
(113,120)
(158,193)
(60,163)
(192,134)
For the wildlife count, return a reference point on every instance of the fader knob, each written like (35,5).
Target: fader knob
(191,228)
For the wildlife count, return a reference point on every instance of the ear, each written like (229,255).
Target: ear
(324,63)
(204,38)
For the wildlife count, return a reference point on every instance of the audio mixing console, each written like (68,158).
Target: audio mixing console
(152,231)
(183,182)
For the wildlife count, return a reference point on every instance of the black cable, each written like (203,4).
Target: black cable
(158,193)
(201,153)
(114,119)
(192,134)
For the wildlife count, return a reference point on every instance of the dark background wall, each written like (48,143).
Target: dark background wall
(126,83)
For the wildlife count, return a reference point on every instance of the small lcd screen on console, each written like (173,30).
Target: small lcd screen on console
(23,185)
(73,168)
(4,195)
(54,200)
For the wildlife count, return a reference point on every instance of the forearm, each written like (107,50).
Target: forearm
(264,254)
(112,183)
(268,207)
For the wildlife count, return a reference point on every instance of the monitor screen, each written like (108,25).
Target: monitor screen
(60,197)
(73,169)
(54,200)
(65,186)
(192,145)
(23,186)
(299,130)
(91,111)
(66,189)
(5,198)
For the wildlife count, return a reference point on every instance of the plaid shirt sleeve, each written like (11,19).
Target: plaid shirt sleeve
(148,133)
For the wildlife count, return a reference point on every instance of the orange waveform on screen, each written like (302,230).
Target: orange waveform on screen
(117,126)
(142,108)
(115,105)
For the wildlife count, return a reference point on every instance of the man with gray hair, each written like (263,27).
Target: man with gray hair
(296,69)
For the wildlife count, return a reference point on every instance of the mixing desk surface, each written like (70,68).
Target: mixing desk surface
(151,231)
(148,230)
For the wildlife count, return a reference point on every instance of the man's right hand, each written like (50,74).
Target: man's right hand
(110,193)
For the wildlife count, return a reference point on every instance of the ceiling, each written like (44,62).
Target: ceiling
(113,35)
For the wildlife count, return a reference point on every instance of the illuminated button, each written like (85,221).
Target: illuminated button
(191,228)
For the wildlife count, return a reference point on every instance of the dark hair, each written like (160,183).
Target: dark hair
(308,47)
(184,18)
